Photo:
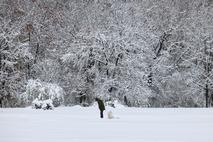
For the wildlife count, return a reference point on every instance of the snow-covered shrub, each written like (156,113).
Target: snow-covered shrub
(43,91)
(45,104)
(36,104)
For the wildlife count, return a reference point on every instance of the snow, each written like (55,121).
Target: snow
(53,90)
(37,89)
(67,57)
(45,104)
(82,124)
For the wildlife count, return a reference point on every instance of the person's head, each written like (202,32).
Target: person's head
(96,99)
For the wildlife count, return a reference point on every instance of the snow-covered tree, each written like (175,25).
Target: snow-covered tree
(142,53)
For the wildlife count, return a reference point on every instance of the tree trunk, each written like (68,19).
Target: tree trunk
(0,62)
(29,36)
(28,70)
(207,95)
(207,69)
(36,54)
(0,102)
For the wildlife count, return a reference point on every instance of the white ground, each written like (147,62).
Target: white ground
(76,124)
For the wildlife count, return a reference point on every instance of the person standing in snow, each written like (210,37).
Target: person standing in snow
(101,106)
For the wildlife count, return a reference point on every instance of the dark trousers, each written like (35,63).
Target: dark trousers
(102,114)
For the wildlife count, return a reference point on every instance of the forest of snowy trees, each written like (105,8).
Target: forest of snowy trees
(142,53)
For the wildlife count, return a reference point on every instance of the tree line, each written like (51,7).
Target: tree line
(139,52)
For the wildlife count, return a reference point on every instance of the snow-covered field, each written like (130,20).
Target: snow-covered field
(77,124)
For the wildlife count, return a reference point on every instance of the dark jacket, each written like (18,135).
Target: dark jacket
(100,104)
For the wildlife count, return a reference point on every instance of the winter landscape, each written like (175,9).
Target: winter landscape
(106,70)
(82,124)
